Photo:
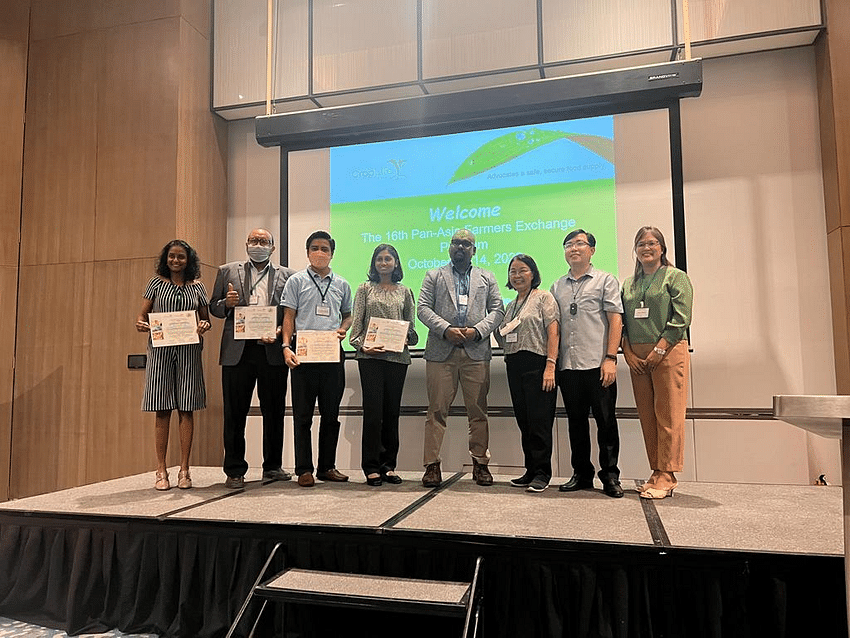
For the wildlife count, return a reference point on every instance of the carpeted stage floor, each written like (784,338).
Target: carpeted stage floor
(715,560)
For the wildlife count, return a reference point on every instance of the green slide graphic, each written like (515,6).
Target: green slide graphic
(507,147)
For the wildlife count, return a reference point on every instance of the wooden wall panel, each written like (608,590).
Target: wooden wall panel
(9,286)
(51,424)
(208,448)
(13,80)
(57,18)
(60,150)
(198,13)
(122,437)
(201,207)
(137,139)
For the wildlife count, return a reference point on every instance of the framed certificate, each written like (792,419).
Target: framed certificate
(390,333)
(254,322)
(317,346)
(173,328)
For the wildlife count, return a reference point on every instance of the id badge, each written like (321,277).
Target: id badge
(511,338)
(323,311)
(253,300)
(641,313)
(463,300)
(508,328)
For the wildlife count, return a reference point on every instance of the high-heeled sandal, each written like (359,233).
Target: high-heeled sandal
(162,483)
(184,481)
(655,493)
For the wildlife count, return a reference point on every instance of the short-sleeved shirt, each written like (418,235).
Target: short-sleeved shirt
(584,335)
(306,290)
(538,311)
(669,295)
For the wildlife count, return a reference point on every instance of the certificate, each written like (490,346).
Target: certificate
(317,346)
(254,322)
(390,333)
(173,328)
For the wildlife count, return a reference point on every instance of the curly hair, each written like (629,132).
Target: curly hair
(193,264)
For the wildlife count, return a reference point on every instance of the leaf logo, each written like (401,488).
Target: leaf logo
(509,146)
(397,164)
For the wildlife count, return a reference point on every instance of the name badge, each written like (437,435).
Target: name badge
(511,338)
(641,313)
(463,300)
(254,300)
(509,327)
(323,311)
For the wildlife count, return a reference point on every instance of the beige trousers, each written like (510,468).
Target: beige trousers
(441,379)
(661,397)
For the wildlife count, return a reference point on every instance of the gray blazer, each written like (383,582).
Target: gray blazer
(236,273)
(437,308)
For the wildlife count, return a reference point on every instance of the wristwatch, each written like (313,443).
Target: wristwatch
(660,351)
(613,357)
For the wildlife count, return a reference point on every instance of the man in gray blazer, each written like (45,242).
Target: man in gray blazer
(246,363)
(461,305)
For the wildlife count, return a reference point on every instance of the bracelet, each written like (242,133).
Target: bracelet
(613,357)
(550,360)
(286,346)
(659,351)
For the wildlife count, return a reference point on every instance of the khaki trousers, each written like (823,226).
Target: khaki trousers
(441,379)
(661,397)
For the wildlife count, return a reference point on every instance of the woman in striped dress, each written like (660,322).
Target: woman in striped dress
(174,378)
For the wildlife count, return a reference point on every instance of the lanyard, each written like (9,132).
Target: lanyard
(519,309)
(260,278)
(647,287)
(328,287)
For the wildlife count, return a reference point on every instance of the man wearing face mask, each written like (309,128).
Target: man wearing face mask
(249,363)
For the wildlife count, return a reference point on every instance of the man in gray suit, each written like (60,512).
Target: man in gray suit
(245,363)
(461,305)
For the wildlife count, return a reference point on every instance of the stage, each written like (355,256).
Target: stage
(714,560)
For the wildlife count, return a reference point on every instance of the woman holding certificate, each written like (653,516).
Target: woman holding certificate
(657,303)
(382,328)
(174,375)
(529,334)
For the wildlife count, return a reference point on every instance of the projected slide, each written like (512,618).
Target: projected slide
(519,189)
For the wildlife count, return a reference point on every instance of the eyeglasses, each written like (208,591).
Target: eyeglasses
(257,241)
(463,243)
(524,271)
(575,244)
(648,244)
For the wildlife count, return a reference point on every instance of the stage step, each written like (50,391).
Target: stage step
(382,593)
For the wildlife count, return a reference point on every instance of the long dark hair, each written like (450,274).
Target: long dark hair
(193,264)
(652,230)
(397,274)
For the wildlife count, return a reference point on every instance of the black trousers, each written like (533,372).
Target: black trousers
(382,383)
(534,410)
(582,392)
(325,383)
(237,384)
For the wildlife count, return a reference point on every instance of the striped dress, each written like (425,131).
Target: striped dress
(174,375)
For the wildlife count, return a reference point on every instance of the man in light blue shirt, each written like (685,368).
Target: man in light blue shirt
(591,327)
(316,299)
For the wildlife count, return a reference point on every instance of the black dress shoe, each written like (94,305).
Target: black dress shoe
(612,489)
(576,483)
(394,479)
(374,482)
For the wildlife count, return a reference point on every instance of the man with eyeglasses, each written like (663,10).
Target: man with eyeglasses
(591,327)
(249,363)
(461,305)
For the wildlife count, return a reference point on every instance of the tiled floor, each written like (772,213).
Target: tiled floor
(19,629)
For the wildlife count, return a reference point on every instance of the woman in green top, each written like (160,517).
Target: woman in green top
(657,303)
